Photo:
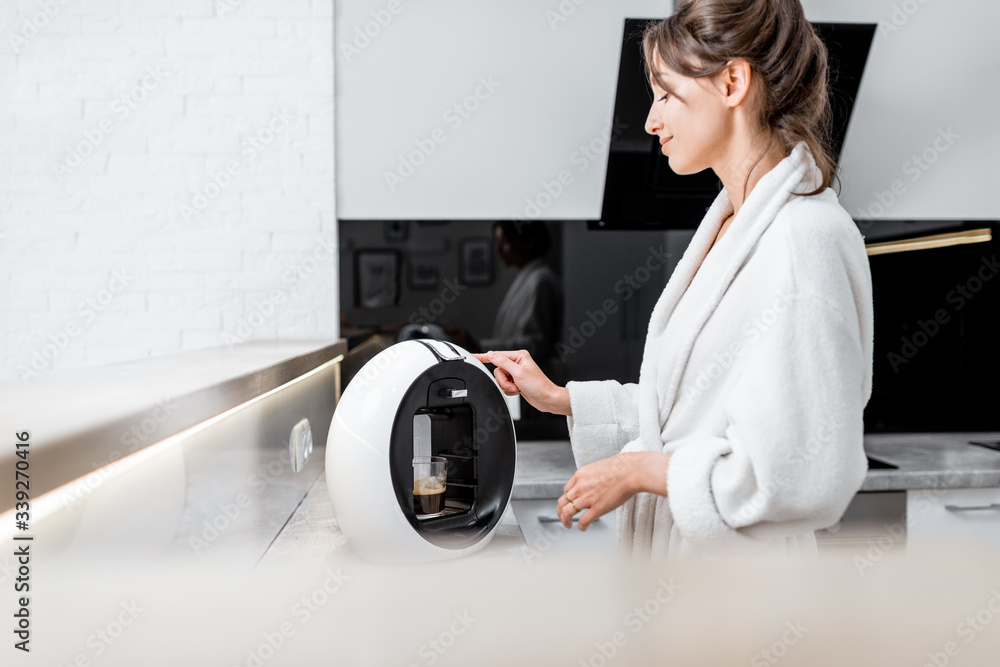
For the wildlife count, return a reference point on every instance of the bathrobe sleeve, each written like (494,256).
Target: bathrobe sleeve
(605,418)
(792,456)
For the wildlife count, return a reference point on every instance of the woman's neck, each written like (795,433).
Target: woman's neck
(743,159)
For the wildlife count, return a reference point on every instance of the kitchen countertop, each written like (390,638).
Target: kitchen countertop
(82,419)
(543,468)
(925,460)
(932,461)
(939,460)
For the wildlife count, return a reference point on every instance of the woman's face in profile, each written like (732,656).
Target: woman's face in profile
(688,117)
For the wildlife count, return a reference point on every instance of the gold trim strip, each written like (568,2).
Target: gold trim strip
(928,242)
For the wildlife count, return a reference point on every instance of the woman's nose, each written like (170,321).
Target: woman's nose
(653,124)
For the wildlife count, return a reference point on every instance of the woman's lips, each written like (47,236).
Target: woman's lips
(663,142)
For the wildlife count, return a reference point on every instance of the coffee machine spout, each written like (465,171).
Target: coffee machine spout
(421,436)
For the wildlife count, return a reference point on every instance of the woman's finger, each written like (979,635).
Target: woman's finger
(583,502)
(579,503)
(506,384)
(570,506)
(566,513)
(502,360)
(588,518)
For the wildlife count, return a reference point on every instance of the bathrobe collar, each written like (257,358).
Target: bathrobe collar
(796,173)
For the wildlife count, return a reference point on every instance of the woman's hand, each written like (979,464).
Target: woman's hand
(517,373)
(605,485)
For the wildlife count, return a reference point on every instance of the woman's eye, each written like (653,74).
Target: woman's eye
(664,98)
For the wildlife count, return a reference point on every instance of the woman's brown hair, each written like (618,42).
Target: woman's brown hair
(785,54)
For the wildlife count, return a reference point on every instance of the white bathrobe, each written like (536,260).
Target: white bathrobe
(755,373)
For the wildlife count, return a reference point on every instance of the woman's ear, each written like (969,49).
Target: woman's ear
(734,81)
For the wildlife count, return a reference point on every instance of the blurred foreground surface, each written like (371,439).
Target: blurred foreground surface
(938,609)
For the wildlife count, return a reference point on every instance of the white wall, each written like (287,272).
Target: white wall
(923,141)
(114,115)
(552,69)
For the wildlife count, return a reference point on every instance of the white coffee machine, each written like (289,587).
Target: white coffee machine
(414,400)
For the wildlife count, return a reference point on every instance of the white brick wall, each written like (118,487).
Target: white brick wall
(116,115)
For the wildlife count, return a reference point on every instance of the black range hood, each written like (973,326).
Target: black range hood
(642,192)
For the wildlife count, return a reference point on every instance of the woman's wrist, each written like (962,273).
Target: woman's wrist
(558,402)
(649,472)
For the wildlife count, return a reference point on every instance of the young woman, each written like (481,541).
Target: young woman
(744,433)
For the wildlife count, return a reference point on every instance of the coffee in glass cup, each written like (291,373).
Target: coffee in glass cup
(430,481)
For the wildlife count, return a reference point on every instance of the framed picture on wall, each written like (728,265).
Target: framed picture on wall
(422,275)
(376,278)
(475,261)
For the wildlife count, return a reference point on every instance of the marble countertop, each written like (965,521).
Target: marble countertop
(543,468)
(924,460)
(932,461)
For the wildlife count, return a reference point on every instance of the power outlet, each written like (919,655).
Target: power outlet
(300,445)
